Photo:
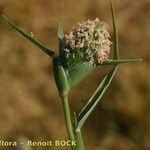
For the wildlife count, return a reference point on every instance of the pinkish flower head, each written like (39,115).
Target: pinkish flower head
(89,41)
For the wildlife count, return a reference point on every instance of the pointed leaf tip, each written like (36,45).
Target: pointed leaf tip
(60,31)
(30,38)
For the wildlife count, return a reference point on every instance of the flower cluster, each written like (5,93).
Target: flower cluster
(89,42)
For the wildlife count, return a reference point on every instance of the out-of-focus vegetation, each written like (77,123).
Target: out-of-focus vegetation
(29,102)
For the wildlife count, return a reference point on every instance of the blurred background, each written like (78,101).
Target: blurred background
(29,103)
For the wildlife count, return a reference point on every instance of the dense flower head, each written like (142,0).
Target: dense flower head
(89,42)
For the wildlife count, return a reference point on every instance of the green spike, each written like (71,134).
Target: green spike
(117,62)
(35,42)
(94,100)
(60,31)
(115,32)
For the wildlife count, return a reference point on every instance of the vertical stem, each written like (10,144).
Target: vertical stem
(115,31)
(76,135)
(67,117)
(79,140)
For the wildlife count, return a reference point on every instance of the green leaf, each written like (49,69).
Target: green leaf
(75,119)
(115,32)
(93,101)
(79,72)
(118,61)
(61,77)
(60,34)
(60,31)
(35,42)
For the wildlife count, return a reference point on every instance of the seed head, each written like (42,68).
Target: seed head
(88,42)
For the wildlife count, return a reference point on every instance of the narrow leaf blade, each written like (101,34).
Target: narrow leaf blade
(92,103)
(118,61)
(35,42)
(115,32)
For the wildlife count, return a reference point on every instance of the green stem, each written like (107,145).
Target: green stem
(115,31)
(77,135)
(79,140)
(67,117)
